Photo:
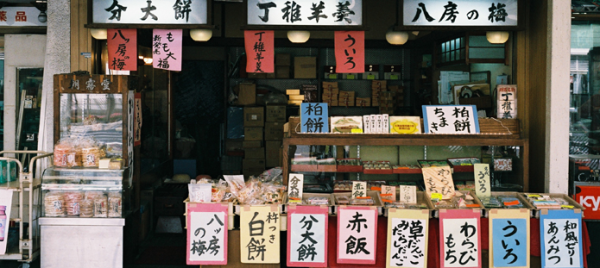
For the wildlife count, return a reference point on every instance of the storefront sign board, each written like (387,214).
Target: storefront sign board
(207,234)
(488,13)
(314,117)
(450,119)
(260,234)
(296,185)
(350,51)
(307,236)
(305,12)
(507,102)
(589,197)
(509,238)
(260,51)
(407,238)
(560,233)
(357,235)
(122,49)
(20,16)
(95,83)
(150,11)
(460,238)
(166,49)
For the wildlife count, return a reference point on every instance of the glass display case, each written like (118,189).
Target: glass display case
(84,193)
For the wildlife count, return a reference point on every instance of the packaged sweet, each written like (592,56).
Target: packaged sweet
(114,205)
(101,206)
(65,154)
(317,200)
(342,200)
(54,204)
(73,203)
(200,192)
(236,184)
(86,208)
(362,201)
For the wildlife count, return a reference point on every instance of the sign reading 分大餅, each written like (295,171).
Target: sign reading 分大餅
(150,11)
(487,13)
(305,12)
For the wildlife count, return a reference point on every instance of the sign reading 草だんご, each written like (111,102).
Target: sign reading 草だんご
(305,12)
(150,11)
(488,13)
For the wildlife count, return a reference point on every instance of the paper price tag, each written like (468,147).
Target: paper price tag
(567,206)
(437,196)
(356,130)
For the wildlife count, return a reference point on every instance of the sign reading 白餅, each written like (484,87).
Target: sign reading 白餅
(305,12)
(150,11)
(487,13)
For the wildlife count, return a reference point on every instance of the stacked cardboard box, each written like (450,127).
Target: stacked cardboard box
(363,102)
(347,98)
(282,66)
(276,118)
(254,152)
(294,97)
(246,94)
(377,86)
(386,102)
(305,67)
(330,93)
(398,92)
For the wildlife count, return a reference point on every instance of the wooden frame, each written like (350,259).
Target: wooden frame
(522,5)
(91,24)
(121,88)
(362,27)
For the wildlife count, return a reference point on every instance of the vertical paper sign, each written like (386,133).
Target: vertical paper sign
(314,117)
(357,235)
(482,180)
(6,202)
(350,51)
(296,184)
(460,238)
(207,234)
(260,234)
(561,238)
(450,119)
(260,51)
(166,49)
(507,102)
(407,238)
(388,193)
(307,236)
(137,119)
(438,180)
(359,189)
(122,49)
(509,238)
(408,194)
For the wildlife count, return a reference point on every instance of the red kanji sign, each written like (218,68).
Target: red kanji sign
(21,16)
(122,49)
(260,51)
(350,51)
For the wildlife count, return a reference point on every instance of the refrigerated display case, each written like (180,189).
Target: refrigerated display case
(91,203)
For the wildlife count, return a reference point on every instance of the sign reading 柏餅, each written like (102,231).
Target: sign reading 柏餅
(350,51)
(487,13)
(122,49)
(259,236)
(166,49)
(314,117)
(305,12)
(307,236)
(150,11)
(296,184)
(482,180)
(357,235)
(260,51)
(450,119)
(561,238)
(207,234)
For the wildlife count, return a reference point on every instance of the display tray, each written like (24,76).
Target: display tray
(476,200)
(378,171)
(305,196)
(373,194)
(349,169)
(64,221)
(420,200)
(314,168)
(406,171)
(462,168)
(537,211)
(523,200)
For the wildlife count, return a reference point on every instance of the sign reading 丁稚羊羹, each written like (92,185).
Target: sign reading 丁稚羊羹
(487,13)
(150,11)
(305,12)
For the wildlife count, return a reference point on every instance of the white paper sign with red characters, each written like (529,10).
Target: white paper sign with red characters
(207,234)
(307,236)
(357,235)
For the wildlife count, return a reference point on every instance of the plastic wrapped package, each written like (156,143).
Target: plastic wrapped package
(54,204)
(86,208)
(200,192)
(236,184)
(65,154)
(100,203)
(115,205)
(73,203)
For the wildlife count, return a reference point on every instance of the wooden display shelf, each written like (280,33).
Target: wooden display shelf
(407,171)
